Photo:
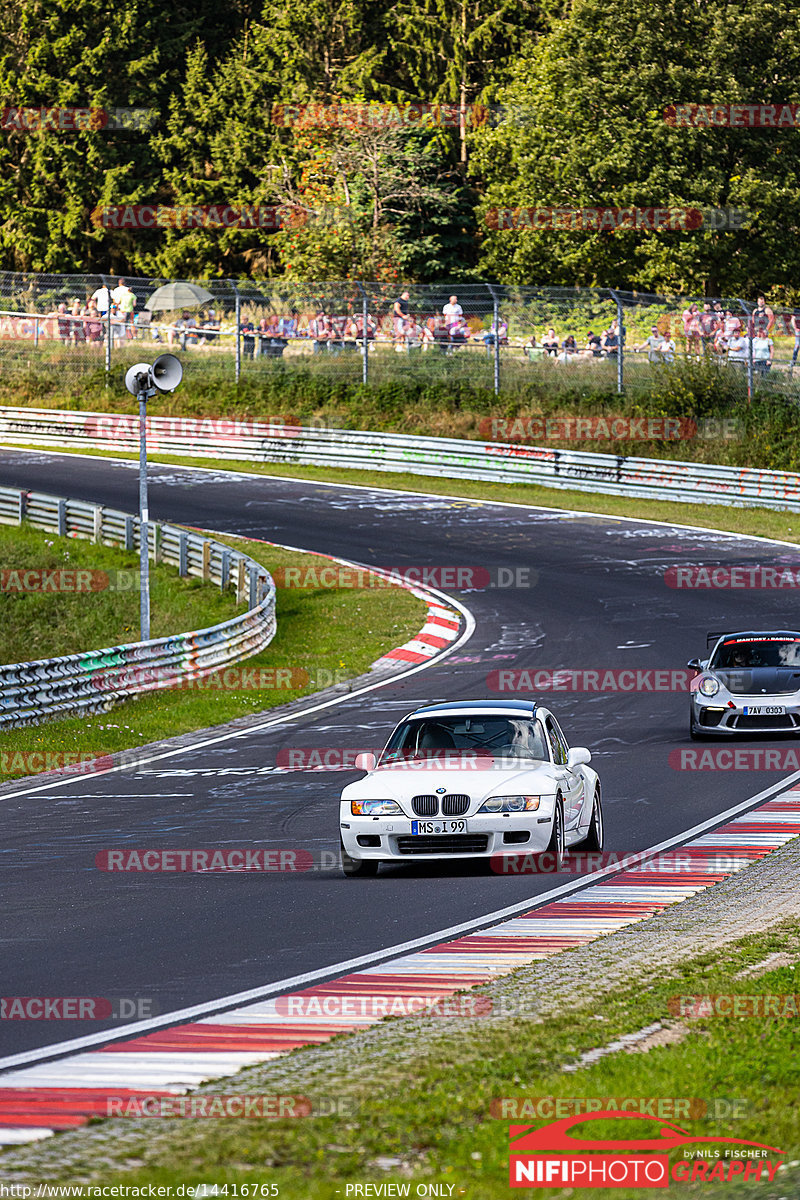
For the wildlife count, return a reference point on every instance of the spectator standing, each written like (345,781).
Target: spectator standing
(248,332)
(654,345)
(102,299)
(708,326)
(125,301)
(400,313)
(762,318)
(452,311)
(77,331)
(763,352)
(738,348)
(94,324)
(795,327)
(691,329)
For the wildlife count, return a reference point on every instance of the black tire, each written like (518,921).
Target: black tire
(357,868)
(556,845)
(595,836)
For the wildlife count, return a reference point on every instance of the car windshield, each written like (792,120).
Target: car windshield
(749,653)
(492,736)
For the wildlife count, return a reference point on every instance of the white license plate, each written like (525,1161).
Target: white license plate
(764,710)
(437,827)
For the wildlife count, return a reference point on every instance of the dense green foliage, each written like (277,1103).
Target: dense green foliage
(581,90)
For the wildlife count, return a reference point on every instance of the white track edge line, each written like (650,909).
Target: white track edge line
(207,1008)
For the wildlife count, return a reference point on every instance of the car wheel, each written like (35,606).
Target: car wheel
(594,838)
(556,844)
(355,868)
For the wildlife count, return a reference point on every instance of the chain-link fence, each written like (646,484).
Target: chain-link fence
(69,328)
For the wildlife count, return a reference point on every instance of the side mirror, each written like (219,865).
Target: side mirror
(695,664)
(579,757)
(366,761)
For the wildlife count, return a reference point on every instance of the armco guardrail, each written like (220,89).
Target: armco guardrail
(98,679)
(496,462)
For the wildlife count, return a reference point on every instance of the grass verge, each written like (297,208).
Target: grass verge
(422,1110)
(324,635)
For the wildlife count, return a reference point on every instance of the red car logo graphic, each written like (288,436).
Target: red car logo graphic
(527,1139)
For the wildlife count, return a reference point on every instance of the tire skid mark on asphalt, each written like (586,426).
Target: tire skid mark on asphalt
(38,1101)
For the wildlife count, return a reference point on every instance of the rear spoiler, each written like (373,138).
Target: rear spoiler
(714,635)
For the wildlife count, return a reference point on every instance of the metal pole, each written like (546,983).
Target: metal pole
(238,333)
(144,519)
(496,347)
(620,343)
(750,333)
(365,316)
(496,317)
(108,334)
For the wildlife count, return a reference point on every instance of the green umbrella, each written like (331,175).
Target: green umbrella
(177,295)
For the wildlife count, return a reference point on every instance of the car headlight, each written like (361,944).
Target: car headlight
(708,686)
(375,808)
(497,804)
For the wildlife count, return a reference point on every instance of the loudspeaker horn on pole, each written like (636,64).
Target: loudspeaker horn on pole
(167,372)
(131,374)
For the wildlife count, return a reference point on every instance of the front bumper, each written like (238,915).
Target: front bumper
(716,717)
(390,839)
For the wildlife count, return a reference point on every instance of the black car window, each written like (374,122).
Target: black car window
(514,737)
(556,742)
(751,653)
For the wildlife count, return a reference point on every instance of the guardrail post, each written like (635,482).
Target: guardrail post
(156,543)
(206,561)
(225,570)
(97,523)
(23,504)
(241,575)
(129,537)
(252,599)
(62,518)
(183,555)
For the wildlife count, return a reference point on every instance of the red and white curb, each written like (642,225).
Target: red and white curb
(440,629)
(39,1100)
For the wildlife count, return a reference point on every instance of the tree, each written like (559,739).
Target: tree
(587,128)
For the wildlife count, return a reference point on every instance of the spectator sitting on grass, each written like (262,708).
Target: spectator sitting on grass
(458,330)
(569,348)
(550,343)
(610,340)
(593,348)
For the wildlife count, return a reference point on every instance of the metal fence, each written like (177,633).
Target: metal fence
(96,680)
(493,461)
(70,327)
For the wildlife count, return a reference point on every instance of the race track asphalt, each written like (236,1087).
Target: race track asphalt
(592,595)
